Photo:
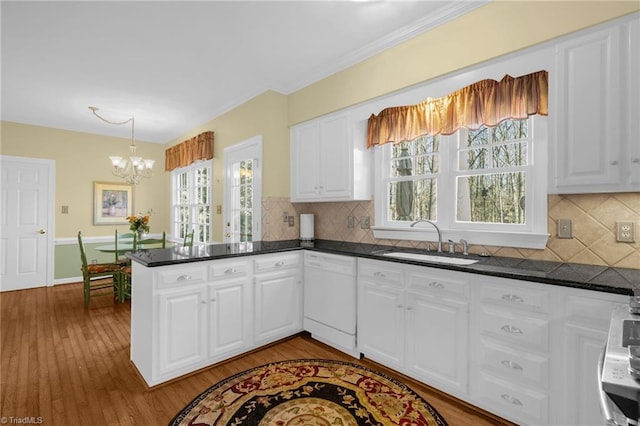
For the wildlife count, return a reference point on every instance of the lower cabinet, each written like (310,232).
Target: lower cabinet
(187,317)
(182,333)
(524,351)
(416,320)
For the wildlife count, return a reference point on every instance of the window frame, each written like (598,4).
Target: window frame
(533,234)
(193,223)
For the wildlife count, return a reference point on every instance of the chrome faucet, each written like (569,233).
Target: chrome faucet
(437,230)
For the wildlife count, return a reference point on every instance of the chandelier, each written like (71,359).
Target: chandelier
(135,168)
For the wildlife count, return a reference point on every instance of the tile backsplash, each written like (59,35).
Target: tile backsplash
(594,219)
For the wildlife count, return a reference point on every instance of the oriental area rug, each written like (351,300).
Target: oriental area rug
(309,392)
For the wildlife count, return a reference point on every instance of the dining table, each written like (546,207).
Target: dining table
(127,246)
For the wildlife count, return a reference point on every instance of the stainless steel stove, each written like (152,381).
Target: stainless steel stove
(618,370)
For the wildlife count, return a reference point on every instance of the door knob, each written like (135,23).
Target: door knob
(42,231)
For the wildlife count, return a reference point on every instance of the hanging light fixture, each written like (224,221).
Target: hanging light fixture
(135,168)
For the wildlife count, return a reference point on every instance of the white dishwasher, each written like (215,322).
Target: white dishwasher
(330,300)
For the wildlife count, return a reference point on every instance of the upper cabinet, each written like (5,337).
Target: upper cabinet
(329,160)
(597,114)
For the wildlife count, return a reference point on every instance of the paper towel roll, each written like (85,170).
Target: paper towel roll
(306,227)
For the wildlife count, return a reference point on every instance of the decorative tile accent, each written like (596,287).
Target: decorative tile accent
(594,218)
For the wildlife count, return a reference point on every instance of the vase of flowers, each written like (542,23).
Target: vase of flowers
(139,224)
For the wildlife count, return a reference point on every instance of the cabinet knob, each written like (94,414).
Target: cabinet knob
(512,329)
(400,306)
(614,163)
(511,399)
(281,263)
(213,299)
(512,365)
(204,302)
(379,274)
(409,308)
(636,160)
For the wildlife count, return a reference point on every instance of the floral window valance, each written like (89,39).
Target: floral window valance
(197,148)
(487,102)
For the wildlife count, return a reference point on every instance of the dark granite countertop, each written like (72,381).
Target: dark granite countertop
(589,277)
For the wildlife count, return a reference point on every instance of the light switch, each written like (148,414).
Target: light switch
(565,228)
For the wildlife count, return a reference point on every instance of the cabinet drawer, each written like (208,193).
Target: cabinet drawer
(515,328)
(450,284)
(230,269)
(181,276)
(381,272)
(516,296)
(274,263)
(518,366)
(524,406)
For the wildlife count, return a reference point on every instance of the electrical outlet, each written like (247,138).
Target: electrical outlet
(285,217)
(365,222)
(351,222)
(625,232)
(292,220)
(565,228)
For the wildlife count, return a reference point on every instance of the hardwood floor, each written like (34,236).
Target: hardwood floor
(63,365)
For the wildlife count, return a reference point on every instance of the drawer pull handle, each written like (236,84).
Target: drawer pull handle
(183,278)
(400,306)
(511,399)
(278,264)
(511,329)
(512,298)
(213,299)
(409,308)
(379,274)
(204,302)
(512,365)
(435,284)
(230,271)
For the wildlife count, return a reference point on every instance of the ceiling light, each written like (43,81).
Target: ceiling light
(135,168)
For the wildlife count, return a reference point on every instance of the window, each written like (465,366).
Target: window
(192,201)
(484,185)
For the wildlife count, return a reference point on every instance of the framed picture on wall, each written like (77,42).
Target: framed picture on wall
(112,203)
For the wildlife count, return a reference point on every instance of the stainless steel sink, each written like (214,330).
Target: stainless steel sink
(430,258)
(630,333)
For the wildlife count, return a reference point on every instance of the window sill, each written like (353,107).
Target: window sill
(490,238)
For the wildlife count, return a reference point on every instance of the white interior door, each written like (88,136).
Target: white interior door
(26,223)
(243,191)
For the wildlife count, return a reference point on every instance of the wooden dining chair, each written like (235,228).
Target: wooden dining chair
(120,238)
(97,276)
(188,239)
(147,241)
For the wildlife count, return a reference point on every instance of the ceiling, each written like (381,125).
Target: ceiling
(176,65)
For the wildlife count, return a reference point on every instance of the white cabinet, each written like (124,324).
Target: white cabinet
(438,311)
(329,160)
(583,335)
(381,313)
(524,351)
(596,96)
(415,319)
(278,296)
(511,334)
(182,328)
(230,308)
(186,317)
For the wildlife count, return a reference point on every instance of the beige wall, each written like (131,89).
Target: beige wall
(505,27)
(81,159)
(264,115)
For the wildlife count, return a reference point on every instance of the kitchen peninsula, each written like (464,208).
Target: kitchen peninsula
(194,307)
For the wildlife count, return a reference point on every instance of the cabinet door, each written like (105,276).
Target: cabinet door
(588,149)
(336,152)
(305,140)
(381,312)
(437,335)
(182,328)
(230,317)
(278,305)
